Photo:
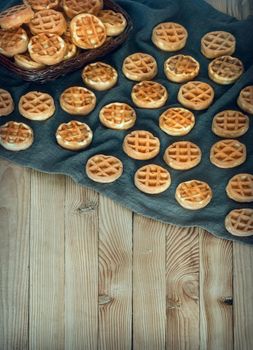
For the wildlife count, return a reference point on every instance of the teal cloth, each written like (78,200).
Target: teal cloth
(45,155)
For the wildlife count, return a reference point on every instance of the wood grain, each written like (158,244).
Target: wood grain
(182,279)
(216,313)
(14,256)
(46,330)
(237,8)
(149,284)
(115,276)
(81,267)
(243,297)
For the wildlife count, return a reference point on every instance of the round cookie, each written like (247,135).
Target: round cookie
(139,66)
(141,144)
(181,68)
(118,116)
(152,179)
(177,121)
(149,94)
(193,194)
(182,155)
(100,76)
(16,136)
(104,169)
(239,222)
(77,100)
(6,103)
(36,105)
(169,36)
(196,95)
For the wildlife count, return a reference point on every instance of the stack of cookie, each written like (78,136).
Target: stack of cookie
(41,33)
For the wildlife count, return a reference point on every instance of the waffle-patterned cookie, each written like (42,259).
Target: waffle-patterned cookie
(71,49)
(177,121)
(230,124)
(6,103)
(39,5)
(103,168)
(218,43)
(25,61)
(240,188)
(114,22)
(117,115)
(181,68)
(47,48)
(239,222)
(140,66)
(225,70)
(196,95)
(87,31)
(169,36)
(152,179)
(13,42)
(149,94)
(74,135)
(77,100)
(100,76)
(245,99)
(36,105)
(15,16)
(75,7)
(193,194)
(182,155)
(16,136)
(228,153)
(141,144)
(48,21)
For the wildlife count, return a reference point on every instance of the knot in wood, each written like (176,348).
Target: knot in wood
(104,299)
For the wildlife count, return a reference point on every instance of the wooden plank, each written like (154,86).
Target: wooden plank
(47,262)
(182,277)
(216,312)
(81,278)
(149,284)
(243,297)
(237,8)
(115,276)
(14,255)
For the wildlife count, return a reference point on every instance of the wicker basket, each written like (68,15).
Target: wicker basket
(52,72)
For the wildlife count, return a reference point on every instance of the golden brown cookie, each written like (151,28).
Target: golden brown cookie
(139,66)
(103,168)
(182,155)
(16,136)
(36,105)
(75,7)
(77,100)
(38,5)
(228,153)
(218,43)
(74,135)
(141,144)
(181,68)
(6,103)
(196,95)
(245,99)
(239,222)
(87,31)
(71,48)
(100,76)
(149,94)
(240,188)
(114,22)
(15,16)
(118,116)
(13,42)
(152,179)
(25,61)
(48,21)
(193,194)
(169,36)
(230,124)
(225,70)
(177,121)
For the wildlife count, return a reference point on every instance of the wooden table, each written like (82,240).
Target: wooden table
(78,271)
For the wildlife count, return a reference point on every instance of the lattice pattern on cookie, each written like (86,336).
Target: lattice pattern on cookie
(197,92)
(88,31)
(36,103)
(104,166)
(241,186)
(228,151)
(247,95)
(118,113)
(16,133)
(140,64)
(170,32)
(9,39)
(152,176)
(46,44)
(183,152)
(241,220)
(48,21)
(82,6)
(141,141)
(78,97)
(181,64)
(149,91)
(177,119)
(74,131)
(111,17)
(226,67)
(230,121)
(99,72)
(194,191)
(218,41)
(42,4)
(6,101)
